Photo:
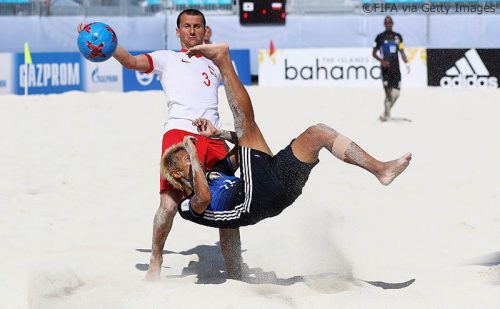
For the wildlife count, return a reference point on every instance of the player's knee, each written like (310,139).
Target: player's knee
(169,209)
(317,130)
(168,205)
(323,127)
(312,130)
(316,134)
(394,94)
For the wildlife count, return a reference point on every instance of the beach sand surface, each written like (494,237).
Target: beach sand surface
(79,189)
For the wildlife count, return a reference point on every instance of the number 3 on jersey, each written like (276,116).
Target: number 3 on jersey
(207,80)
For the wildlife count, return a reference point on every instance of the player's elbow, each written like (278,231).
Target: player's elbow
(201,202)
(205,199)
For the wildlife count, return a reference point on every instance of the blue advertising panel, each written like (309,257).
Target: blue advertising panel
(137,81)
(49,73)
(241,61)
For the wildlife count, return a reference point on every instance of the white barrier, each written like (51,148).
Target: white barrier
(103,76)
(417,57)
(6,74)
(343,67)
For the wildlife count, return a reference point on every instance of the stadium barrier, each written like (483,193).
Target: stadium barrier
(61,72)
(6,73)
(464,68)
(344,67)
(355,67)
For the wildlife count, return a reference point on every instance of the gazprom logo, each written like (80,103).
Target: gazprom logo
(97,78)
(143,78)
(50,74)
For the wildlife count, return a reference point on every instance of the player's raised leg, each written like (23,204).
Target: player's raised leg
(246,128)
(306,148)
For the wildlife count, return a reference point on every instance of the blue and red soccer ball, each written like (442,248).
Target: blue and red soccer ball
(97,42)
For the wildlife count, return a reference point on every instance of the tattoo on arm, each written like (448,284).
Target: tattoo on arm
(200,186)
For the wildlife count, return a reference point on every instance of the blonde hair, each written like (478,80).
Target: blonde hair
(168,165)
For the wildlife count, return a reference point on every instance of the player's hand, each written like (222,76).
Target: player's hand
(193,51)
(385,64)
(80,27)
(188,143)
(213,52)
(205,128)
(407,68)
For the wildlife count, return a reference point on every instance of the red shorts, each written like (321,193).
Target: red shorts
(209,151)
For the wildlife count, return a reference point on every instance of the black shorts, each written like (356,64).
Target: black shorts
(272,183)
(391,78)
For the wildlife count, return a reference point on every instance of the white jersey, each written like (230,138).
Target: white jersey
(191,86)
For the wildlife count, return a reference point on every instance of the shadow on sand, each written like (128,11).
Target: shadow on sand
(491,263)
(490,259)
(210,269)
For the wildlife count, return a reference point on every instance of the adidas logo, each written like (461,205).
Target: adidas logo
(469,72)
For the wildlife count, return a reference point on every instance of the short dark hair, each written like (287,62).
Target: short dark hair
(192,12)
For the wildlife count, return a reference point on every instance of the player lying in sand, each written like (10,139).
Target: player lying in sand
(268,183)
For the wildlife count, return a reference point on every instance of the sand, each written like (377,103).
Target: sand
(78,191)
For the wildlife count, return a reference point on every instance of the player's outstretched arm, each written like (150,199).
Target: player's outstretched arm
(138,63)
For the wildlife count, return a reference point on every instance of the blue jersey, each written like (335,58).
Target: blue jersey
(225,191)
(268,185)
(389,44)
(226,206)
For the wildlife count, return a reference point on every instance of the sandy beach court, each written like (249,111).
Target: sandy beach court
(79,189)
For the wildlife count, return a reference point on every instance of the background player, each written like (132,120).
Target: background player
(389,43)
(208,35)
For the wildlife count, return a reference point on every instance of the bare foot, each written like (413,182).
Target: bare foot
(214,52)
(393,168)
(382,118)
(154,270)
